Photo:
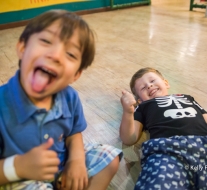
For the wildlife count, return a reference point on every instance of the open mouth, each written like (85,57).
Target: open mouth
(42,77)
(153,92)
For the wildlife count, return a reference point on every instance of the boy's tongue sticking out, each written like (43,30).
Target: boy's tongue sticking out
(40,80)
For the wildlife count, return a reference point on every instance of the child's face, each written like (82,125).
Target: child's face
(48,64)
(150,86)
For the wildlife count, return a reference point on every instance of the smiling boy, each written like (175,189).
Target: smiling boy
(41,117)
(177,125)
(151,85)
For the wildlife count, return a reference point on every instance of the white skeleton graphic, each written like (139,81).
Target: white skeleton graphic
(180,112)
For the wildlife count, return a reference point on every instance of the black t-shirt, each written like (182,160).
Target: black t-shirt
(171,115)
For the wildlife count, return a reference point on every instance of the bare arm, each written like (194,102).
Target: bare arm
(3,179)
(40,160)
(205,117)
(75,146)
(75,173)
(130,130)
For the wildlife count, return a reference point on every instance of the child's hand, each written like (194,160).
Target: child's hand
(39,163)
(128,101)
(74,176)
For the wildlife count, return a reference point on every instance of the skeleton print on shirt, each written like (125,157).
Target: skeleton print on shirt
(171,115)
(178,100)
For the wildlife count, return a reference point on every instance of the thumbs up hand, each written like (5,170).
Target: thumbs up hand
(39,163)
(127,101)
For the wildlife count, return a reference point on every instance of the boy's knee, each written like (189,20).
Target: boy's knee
(114,165)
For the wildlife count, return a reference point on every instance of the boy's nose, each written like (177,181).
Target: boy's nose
(149,86)
(55,53)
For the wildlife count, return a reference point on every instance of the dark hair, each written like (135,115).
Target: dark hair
(69,22)
(138,75)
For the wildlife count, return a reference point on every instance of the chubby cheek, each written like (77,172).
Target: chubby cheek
(26,74)
(70,74)
(144,96)
(141,97)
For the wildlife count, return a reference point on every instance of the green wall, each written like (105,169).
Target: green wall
(15,16)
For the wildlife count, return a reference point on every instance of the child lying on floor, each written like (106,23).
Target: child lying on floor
(175,156)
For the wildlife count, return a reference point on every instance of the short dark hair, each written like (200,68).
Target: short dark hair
(138,75)
(69,22)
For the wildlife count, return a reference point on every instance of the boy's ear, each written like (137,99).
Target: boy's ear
(167,83)
(20,47)
(77,75)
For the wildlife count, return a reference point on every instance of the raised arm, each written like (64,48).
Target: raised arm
(130,130)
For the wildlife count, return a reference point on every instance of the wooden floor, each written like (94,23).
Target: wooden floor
(164,35)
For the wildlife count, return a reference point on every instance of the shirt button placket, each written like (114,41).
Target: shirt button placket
(46,136)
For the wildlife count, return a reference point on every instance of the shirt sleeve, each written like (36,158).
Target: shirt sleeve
(198,106)
(79,122)
(138,116)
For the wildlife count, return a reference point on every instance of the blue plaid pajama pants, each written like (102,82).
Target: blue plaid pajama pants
(98,156)
(178,162)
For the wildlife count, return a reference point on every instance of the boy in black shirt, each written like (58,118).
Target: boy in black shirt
(175,156)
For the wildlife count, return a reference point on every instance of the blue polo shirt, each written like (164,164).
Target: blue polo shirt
(24,126)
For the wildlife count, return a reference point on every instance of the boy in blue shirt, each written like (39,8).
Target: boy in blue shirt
(41,117)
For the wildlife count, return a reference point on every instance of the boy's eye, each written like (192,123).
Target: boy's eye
(143,88)
(46,41)
(152,80)
(71,55)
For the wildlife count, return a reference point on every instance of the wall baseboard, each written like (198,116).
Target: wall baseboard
(24,22)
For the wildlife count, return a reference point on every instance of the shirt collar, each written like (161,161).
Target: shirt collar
(24,108)
(59,108)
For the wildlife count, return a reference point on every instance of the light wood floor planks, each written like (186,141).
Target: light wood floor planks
(165,35)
